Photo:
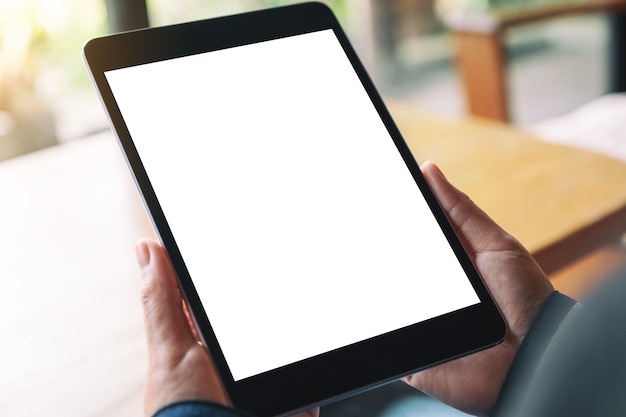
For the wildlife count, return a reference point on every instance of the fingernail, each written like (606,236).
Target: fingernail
(430,168)
(142,251)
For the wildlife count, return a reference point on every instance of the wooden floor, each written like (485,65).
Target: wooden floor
(583,276)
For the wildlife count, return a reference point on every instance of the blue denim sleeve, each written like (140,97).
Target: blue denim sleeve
(197,408)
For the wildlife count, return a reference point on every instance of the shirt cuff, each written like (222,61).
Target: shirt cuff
(198,408)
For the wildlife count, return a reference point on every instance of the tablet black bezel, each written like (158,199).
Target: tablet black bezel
(342,371)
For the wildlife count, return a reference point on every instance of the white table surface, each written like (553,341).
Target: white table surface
(71,332)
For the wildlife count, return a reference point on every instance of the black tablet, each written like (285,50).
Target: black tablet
(313,256)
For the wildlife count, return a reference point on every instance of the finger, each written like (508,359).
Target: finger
(313,412)
(165,321)
(190,321)
(515,280)
(476,229)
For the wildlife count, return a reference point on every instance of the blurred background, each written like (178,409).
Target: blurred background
(46,96)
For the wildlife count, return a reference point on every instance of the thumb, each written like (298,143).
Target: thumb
(178,367)
(165,321)
(477,231)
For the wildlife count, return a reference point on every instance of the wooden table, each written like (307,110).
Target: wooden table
(70,319)
(560,202)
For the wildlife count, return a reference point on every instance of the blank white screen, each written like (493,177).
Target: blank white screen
(299,223)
